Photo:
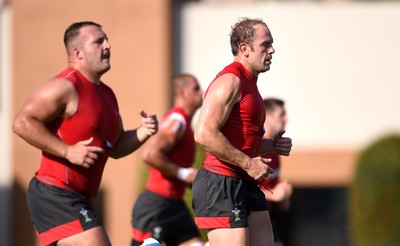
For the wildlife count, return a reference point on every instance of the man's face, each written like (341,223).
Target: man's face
(261,49)
(194,93)
(95,49)
(275,120)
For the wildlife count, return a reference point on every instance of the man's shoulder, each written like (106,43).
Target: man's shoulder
(227,80)
(234,68)
(174,116)
(59,83)
(66,73)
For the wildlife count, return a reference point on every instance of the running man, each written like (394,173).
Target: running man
(74,119)
(160,211)
(277,191)
(226,199)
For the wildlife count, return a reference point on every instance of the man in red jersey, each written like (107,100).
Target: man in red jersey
(160,211)
(226,199)
(74,119)
(277,191)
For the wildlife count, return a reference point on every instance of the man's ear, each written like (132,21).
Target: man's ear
(181,92)
(77,53)
(244,49)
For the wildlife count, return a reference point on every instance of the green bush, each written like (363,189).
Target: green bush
(374,196)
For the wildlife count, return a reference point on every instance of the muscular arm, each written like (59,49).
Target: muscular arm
(130,140)
(54,98)
(223,94)
(48,102)
(156,150)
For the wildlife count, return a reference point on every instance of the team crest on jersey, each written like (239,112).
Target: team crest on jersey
(85,215)
(236,214)
(157,232)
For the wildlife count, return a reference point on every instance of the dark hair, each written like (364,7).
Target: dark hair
(181,81)
(243,32)
(73,31)
(269,103)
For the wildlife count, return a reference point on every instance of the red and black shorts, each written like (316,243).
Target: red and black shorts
(225,202)
(58,213)
(167,220)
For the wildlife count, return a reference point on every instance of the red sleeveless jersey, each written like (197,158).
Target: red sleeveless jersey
(97,116)
(244,128)
(181,154)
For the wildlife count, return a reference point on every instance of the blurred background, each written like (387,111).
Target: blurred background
(336,66)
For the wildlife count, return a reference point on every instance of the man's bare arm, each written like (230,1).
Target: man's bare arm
(130,140)
(54,98)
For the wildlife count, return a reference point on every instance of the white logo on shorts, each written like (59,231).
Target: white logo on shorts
(156,232)
(236,213)
(84,213)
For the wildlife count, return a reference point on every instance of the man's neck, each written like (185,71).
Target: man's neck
(186,108)
(94,78)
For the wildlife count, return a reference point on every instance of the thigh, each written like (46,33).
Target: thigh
(260,229)
(95,236)
(228,236)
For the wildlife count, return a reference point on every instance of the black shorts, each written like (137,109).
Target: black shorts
(58,213)
(275,230)
(277,221)
(167,220)
(225,202)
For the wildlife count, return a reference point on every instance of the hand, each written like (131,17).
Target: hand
(259,168)
(149,123)
(282,190)
(83,155)
(282,145)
